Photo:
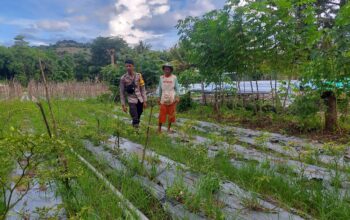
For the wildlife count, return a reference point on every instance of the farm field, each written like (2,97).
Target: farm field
(186,109)
(202,170)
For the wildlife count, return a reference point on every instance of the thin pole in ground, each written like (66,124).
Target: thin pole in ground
(124,201)
(61,158)
(48,97)
(147,135)
(38,103)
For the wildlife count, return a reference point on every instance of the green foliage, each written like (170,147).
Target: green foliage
(106,98)
(265,39)
(188,77)
(305,106)
(81,63)
(34,157)
(69,60)
(20,42)
(202,38)
(178,189)
(99,47)
(185,103)
(110,73)
(202,198)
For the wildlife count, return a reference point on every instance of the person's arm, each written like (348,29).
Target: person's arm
(160,88)
(159,92)
(143,90)
(122,95)
(177,90)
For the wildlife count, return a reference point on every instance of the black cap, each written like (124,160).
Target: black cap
(129,61)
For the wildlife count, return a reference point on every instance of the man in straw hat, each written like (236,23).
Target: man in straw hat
(168,91)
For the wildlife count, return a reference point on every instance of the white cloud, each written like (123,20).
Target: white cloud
(137,20)
(149,20)
(199,7)
(160,2)
(70,10)
(161,9)
(17,22)
(38,43)
(130,11)
(50,25)
(78,19)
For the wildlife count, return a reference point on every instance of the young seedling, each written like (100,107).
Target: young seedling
(261,141)
(117,140)
(30,155)
(186,130)
(253,203)
(178,190)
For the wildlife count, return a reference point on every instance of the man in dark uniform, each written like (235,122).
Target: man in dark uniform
(133,85)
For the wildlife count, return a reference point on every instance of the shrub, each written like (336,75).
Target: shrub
(305,106)
(185,103)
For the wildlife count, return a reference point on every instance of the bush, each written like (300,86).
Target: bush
(106,98)
(305,106)
(309,124)
(185,103)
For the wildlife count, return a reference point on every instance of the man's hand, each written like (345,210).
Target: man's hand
(159,102)
(144,104)
(124,108)
(177,99)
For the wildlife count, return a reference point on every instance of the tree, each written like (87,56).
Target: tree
(65,69)
(329,72)
(81,70)
(6,58)
(202,38)
(20,42)
(100,46)
(329,66)
(142,47)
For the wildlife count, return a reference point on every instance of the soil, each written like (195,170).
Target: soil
(289,128)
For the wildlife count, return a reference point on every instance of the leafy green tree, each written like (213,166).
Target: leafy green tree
(328,70)
(203,38)
(65,69)
(142,47)
(189,76)
(6,58)
(99,47)
(81,66)
(20,42)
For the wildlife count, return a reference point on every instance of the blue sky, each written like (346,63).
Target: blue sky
(47,21)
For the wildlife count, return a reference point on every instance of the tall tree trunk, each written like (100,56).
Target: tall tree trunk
(204,97)
(244,86)
(239,85)
(331,116)
(272,92)
(111,53)
(238,93)
(257,94)
(252,92)
(287,94)
(251,86)
(216,102)
(276,93)
(222,92)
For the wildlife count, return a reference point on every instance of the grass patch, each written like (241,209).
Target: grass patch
(96,121)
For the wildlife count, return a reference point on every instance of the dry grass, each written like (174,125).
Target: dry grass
(10,90)
(76,90)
